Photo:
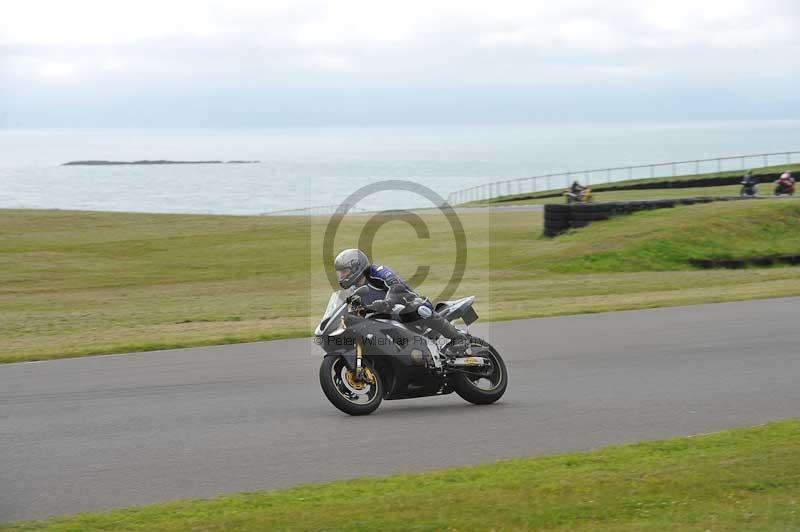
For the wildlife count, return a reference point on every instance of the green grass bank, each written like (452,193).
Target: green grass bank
(82,283)
(744,479)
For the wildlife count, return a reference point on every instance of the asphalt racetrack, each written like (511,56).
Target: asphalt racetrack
(103,432)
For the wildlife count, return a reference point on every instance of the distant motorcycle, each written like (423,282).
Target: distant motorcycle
(784,187)
(371,357)
(749,189)
(582,196)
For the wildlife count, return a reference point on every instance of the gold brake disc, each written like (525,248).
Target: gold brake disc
(351,381)
(369,378)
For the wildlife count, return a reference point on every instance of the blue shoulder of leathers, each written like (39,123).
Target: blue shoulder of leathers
(384,273)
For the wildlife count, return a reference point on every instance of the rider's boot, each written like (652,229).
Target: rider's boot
(459,342)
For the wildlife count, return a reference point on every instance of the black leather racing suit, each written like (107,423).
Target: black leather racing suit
(386,289)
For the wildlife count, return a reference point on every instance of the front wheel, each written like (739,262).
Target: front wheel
(345,392)
(482,386)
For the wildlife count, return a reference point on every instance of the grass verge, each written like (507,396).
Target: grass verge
(743,479)
(665,239)
(82,283)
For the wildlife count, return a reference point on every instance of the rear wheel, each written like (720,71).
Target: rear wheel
(345,392)
(482,386)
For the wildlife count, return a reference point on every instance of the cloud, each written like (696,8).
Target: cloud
(57,70)
(162,47)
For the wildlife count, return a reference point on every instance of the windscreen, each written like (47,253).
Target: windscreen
(336,301)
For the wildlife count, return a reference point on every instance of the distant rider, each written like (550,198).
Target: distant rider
(785,184)
(749,184)
(386,289)
(575,192)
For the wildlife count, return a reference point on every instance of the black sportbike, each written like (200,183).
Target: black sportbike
(372,357)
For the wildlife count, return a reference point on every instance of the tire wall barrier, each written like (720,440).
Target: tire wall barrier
(761,262)
(559,218)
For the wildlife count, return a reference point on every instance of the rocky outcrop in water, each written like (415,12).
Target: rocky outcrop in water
(146,162)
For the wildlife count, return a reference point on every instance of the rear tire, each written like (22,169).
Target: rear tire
(498,380)
(339,392)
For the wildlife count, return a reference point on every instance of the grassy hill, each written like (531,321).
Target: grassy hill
(79,283)
(666,239)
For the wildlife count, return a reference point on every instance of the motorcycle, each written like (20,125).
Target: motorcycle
(583,196)
(370,357)
(749,189)
(784,187)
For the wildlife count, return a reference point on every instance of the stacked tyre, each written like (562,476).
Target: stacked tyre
(556,219)
(559,218)
(636,206)
(617,207)
(584,214)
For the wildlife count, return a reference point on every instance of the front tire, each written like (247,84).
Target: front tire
(345,393)
(483,389)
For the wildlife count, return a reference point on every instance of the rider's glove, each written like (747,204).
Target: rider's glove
(380,306)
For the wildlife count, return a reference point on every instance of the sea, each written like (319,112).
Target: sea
(303,167)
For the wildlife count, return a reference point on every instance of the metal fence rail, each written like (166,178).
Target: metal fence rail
(322,210)
(541,183)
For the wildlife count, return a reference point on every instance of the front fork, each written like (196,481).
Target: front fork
(359,371)
(362,373)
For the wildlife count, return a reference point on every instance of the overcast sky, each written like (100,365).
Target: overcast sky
(231,63)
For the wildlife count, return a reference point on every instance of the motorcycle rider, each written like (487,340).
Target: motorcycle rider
(785,185)
(575,192)
(385,289)
(749,184)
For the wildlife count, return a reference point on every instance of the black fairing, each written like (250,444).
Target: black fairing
(389,348)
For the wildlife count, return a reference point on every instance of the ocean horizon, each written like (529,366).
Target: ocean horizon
(303,167)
